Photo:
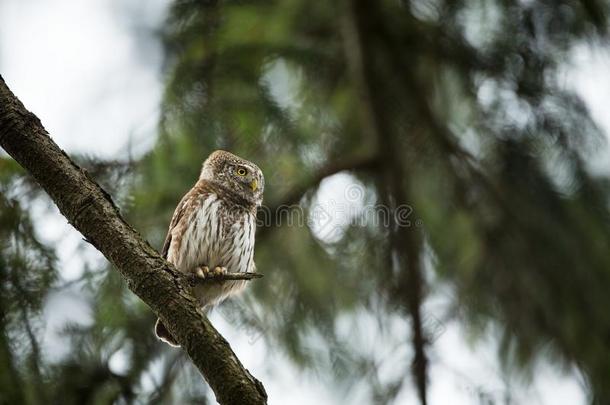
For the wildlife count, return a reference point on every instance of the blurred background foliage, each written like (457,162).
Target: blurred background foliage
(453,108)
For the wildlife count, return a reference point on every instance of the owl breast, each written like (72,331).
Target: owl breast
(216,234)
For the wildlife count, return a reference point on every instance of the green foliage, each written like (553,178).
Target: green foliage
(459,106)
(495,150)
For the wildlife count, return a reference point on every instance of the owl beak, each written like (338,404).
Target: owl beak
(254,185)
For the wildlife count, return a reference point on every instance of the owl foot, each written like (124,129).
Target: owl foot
(202,272)
(219,271)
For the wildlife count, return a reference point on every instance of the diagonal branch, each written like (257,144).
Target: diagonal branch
(91,211)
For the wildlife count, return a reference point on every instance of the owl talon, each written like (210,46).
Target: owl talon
(202,272)
(219,271)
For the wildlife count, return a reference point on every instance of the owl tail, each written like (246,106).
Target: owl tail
(164,335)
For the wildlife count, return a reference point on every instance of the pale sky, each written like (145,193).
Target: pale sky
(94,79)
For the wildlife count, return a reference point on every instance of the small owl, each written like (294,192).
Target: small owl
(212,229)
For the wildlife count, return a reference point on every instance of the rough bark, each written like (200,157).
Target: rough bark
(91,211)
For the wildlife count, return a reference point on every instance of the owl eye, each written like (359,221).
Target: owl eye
(241,171)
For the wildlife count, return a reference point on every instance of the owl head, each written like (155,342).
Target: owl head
(235,174)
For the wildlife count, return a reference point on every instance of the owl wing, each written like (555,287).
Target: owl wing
(178,214)
(189,202)
(183,206)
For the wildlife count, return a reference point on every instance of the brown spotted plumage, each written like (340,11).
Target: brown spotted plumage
(212,229)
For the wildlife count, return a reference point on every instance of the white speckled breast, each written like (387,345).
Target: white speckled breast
(217,234)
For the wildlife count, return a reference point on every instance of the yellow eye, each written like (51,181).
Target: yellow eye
(241,171)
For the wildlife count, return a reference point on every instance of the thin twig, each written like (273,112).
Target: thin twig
(194,280)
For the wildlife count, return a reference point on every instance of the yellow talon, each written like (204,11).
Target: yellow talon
(202,272)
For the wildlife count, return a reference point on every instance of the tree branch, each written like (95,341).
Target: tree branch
(362,21)
(91,211)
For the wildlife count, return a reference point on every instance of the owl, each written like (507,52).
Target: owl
(212,229)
